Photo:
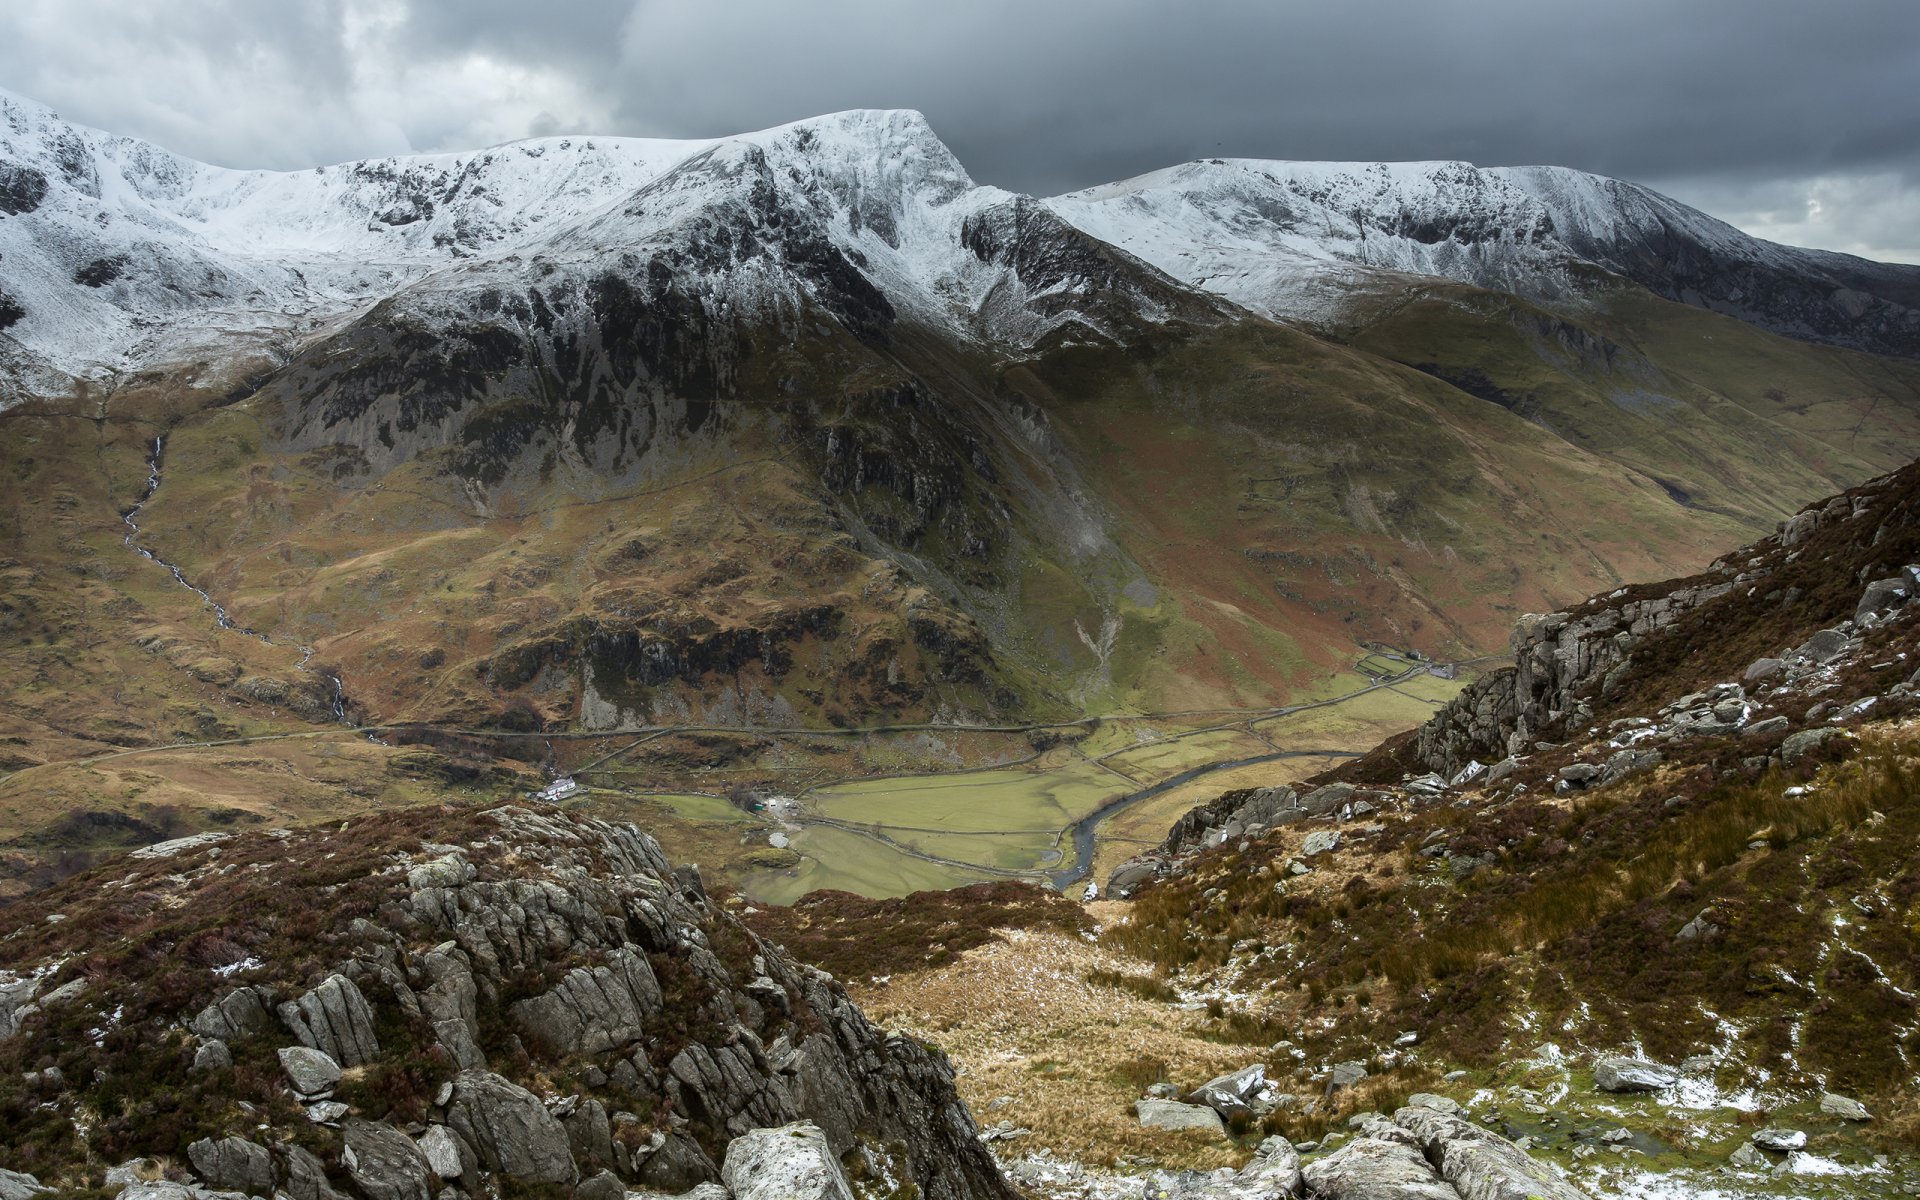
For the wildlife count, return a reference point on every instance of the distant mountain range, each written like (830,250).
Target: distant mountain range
(817,428)
(121,255)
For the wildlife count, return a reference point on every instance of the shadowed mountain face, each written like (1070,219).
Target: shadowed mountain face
(804,427)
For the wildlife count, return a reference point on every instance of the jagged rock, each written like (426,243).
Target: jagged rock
(447,871)
(1745,1155)
(1882,595)
(1807,741)
(1371,1168)
(384,1163)
(1699,927)
(590,1136)
(793,1162)
(16,1185)
(456,1038)
(1580,774)
(677,1165)
(1778,1139)
(240,1013)
(1557,657)
(1346,1074)
(1623,763)
(1320,841)
(1763,669)
(443,1152)
(326,1112)
(1771,725)
(306,1177)
(1824,646)
(509,1129)
(15,995)
(335,1019)
(1238,1092)
(603,1186)
(1845,1108)
(1441,1104)
(1479,1163)
(312,1072)
(1619,1074)
(212,1055)
(1171,1114)
(1273,1173)
(594,1011)
(233,1162)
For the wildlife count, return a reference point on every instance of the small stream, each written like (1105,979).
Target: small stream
(220,615)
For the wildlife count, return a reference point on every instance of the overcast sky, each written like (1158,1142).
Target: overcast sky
(1797,121)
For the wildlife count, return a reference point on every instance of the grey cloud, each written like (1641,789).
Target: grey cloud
(1749,108)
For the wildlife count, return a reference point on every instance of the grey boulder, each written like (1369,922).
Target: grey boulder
(1171,1114)
(1619,1074)
(15,1185)
(212,1055)
(1480,1164)
(306,1177)
(237,1014)
(335,1019)
(1801,744)
(1779,1140)
(1844,1107)
(312,1072)
(792,1162)
(1371,1168)
(509,1129)
(384,1163)
(1231,1094)
(233,1162)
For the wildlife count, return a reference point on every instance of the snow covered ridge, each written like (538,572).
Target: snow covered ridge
(118,253)
(1300,239)
(115,254)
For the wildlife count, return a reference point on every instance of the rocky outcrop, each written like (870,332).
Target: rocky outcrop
(336,1020)
(534,1001)
(509,1129)
(1560,659)
(233,1162)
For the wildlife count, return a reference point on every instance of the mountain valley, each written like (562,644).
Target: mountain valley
(407,563)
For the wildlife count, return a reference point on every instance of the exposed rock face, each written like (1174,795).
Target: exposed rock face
(1559,659)
(602,983)
(1482,1165)
(312,1072)
(384,1163)
(334,1019)
(233,1162)
(510,1130)
(1427,1154)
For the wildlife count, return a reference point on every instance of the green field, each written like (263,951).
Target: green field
(882,836)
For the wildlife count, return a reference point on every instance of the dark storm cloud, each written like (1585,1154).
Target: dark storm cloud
(1799,121)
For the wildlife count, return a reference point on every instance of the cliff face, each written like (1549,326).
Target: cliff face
(489,1002)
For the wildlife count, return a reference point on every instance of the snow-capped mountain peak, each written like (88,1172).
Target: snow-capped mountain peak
(115,253)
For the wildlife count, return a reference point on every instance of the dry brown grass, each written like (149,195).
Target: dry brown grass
(1021,1021)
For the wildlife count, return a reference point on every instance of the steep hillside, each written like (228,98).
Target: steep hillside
(1680,829)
